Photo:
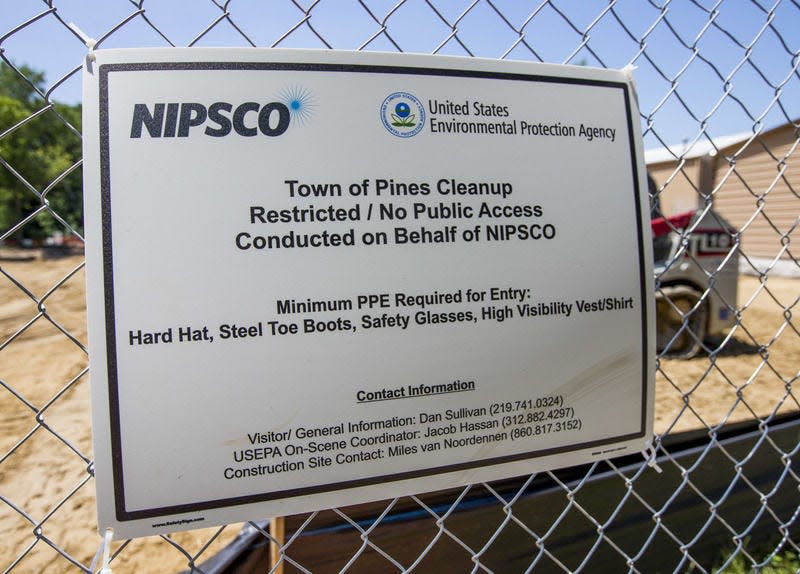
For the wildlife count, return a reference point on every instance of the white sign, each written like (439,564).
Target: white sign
(321,278)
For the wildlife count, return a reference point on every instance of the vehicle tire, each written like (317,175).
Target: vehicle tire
(679,333)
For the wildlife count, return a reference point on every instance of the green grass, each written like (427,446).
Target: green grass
(786,562)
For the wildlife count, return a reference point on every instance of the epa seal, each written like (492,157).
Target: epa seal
(402,114)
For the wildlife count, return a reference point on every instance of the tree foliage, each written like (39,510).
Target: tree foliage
(37,157)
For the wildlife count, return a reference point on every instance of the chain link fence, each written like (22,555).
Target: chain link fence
(725,73)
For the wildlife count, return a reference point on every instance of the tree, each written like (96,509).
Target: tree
(42,152)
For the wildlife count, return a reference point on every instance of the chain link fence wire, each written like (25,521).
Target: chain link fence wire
(724,72)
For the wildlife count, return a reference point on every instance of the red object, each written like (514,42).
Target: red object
(664,225)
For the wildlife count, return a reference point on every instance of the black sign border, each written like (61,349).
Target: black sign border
(105,70)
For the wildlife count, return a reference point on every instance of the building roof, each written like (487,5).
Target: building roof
(688,150)
(704,146)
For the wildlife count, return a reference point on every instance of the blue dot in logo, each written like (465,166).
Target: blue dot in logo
(402,110)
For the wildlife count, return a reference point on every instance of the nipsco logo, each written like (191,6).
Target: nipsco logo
(219,119)
(402,114)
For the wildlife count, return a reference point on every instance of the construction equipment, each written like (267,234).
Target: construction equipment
(696,271)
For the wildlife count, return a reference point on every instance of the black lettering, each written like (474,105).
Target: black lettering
(238,119)
(215,115)
(257,214)
(177,119)
(191,115)
(264,117)
(171,122)
(142,117)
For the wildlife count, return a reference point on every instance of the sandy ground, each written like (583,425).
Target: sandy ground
(46,475)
